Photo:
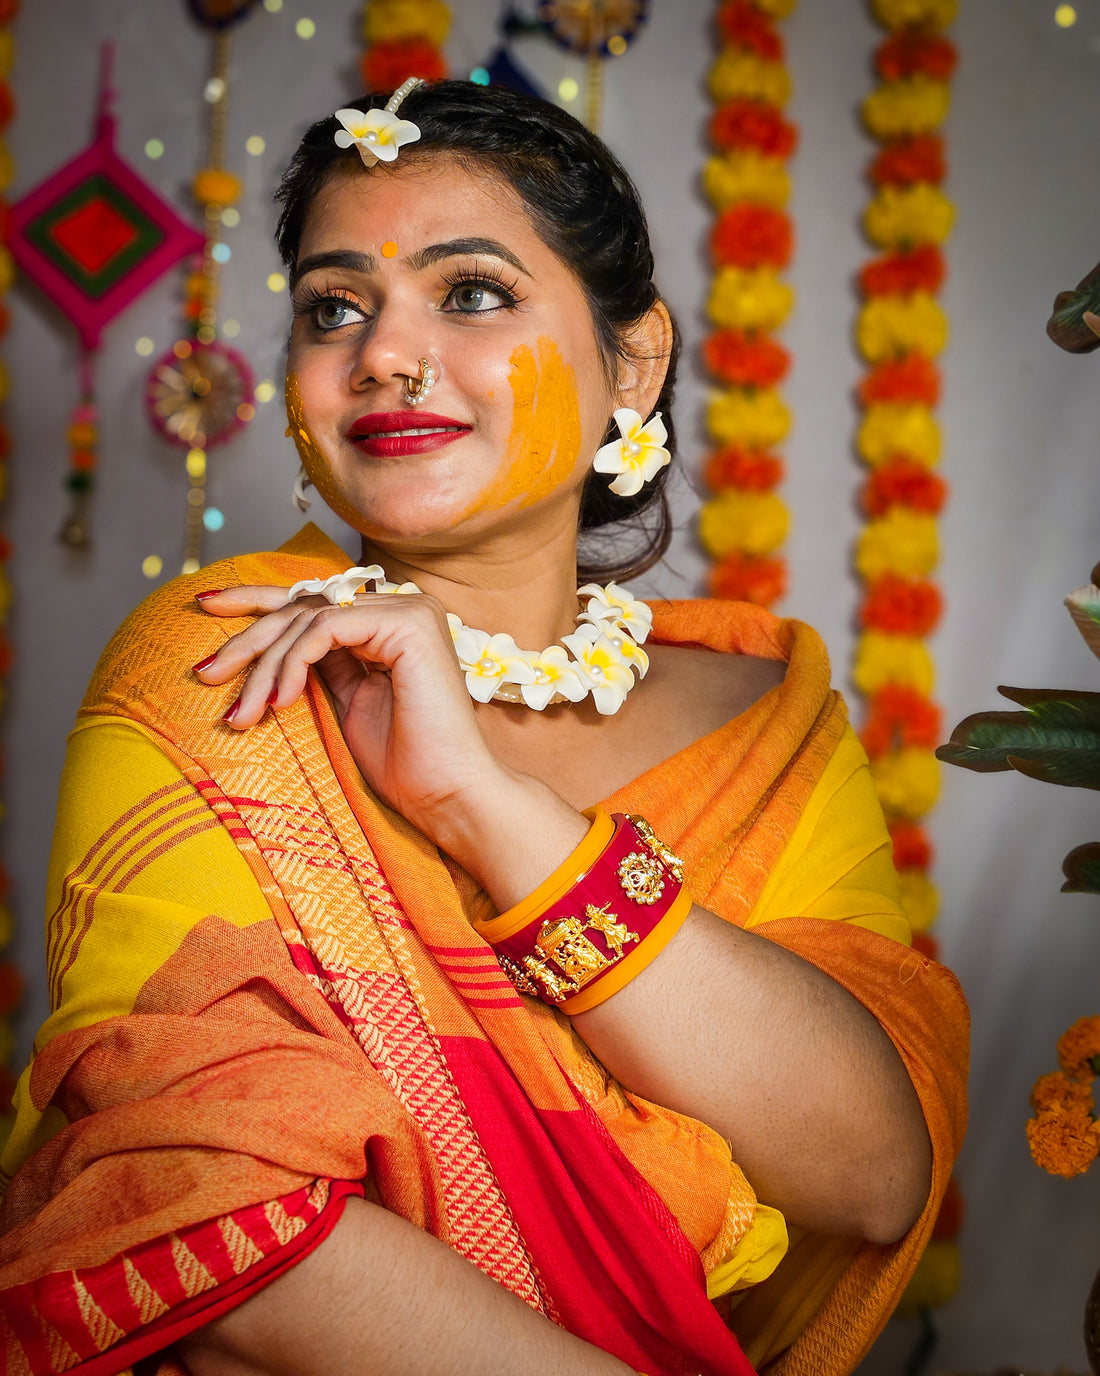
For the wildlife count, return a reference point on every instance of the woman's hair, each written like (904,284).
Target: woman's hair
(582,204)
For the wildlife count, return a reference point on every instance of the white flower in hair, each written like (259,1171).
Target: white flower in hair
(614,606)
(638,456)
(488,661)
(340,589)
(378,135)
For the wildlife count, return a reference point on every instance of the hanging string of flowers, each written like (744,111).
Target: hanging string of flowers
(1064,1135)
(403,38)
(746,180)
(901,330)
(11,980)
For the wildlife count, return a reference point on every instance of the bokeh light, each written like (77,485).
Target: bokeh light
(151,565)
(154,149)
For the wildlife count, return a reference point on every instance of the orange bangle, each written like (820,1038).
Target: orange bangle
(568,874)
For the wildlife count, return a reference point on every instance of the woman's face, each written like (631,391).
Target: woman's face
(435,261)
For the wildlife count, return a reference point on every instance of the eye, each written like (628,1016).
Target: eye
(475,297)
(332,312)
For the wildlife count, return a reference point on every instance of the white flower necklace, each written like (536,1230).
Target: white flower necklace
(604,650)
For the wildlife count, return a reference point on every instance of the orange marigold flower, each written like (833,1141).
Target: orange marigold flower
(743,26)
(1064,1141)
(746,360)
(927,945)
(907,53)
(5,319)
(918,158)
(752,236)
(912,848)
(11,987)
(901,606)
(745,578)
(754,469)
(7,105)
(1060,1091)
(387,65)
(902,482)
(899,274)
(911,378)
(949,1220)
(1079,1048)
(5,441)
(6,658)
(900,717)
(748,124)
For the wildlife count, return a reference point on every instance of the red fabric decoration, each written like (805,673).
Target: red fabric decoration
(911,378)
(903,482)
(749,124)
(898,274)
(752,236)
(751,469)
(746,360)
(916,159)
(901,606)
(387,65)
(900,717)
(907,54)
(743,26)
(743,578)
(912,848)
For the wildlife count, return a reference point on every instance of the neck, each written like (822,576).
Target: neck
(530,593)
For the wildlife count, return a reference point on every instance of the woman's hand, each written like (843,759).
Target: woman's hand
(391,668)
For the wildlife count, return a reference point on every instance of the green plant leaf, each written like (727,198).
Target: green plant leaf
(1058,706)
(1084,607)
(1075,768)
(1035,742)
(1082,869)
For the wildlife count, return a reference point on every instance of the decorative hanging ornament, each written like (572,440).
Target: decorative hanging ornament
(201,392)
(595,30)
(94,236)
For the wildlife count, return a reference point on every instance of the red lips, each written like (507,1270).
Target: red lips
(368,433)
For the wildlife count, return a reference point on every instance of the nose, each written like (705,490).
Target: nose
(390,352)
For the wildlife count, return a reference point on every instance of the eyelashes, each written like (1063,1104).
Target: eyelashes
(329,307)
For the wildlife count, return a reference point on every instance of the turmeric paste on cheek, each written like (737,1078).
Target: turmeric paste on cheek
(545,440)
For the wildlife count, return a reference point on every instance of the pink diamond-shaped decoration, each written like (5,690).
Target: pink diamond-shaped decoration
(65,252)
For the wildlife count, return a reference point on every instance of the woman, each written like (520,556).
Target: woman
(285,1063)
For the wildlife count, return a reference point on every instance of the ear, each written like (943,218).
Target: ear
(648,348)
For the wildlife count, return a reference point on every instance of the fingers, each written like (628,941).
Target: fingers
(246,601)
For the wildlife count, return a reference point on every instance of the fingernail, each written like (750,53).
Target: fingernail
(232,711)
(211,592)
(204,663)
(272,696)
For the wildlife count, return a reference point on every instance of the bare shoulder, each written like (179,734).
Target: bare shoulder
(708,688)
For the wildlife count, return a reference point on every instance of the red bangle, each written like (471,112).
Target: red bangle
(633,902)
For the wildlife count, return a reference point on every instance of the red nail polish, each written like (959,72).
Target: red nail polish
(272,696)
(232,711)
(203,663)
(210,592)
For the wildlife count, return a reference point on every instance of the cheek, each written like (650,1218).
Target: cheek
(544,443)
(329,488)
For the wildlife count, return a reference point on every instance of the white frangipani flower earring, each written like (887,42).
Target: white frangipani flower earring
(638,456)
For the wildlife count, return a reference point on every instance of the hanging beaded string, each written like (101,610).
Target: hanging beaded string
(745,522)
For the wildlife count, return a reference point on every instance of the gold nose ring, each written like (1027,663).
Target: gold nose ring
(417,388)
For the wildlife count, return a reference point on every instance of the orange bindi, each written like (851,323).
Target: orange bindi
(389,249)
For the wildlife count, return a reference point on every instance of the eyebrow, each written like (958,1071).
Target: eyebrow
(353,261)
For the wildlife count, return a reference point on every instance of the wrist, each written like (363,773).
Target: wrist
(510,831)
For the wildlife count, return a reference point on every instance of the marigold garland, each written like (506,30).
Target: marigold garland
(403,38)
(1064,1135)
(900,331)
(751,245)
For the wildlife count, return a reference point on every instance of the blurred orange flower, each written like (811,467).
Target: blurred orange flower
(754,469)
(752,236)
(903,272)
(901,606)
(906,53)
(743,26)
(912,849)
(902,482)
(748,578)
(748,124)
(911,378)
(746,360)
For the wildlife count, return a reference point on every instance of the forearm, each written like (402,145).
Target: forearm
(736,1031)
(381,1297)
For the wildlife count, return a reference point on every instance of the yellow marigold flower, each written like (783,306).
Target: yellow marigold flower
(386,21)
(749,299)
(903,215)
(775,9)
(1064,1141)
(935,1280)
(914,105)
(753,522)
(925,14)
(7,51)
(889,428)
(213,186)
(7,270)
(751,420)
(901,542)
(908,782)
(1080,1045)
(746,176)
(883,659)
(890,326)
(740,75)
(920,899)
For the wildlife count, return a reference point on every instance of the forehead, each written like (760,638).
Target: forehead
(427,199)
